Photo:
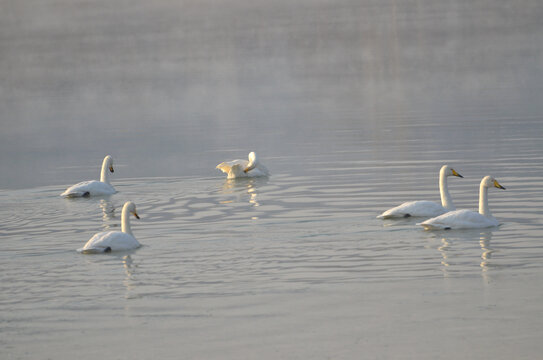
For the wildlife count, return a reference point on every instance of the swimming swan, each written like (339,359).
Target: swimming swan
(424,207)
(466,219)
(243,168)
(93,187)
(108,241)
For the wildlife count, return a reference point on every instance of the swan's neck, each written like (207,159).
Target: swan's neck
(446,200)
(251,165)
(104,175)
(125,221)
(483,201)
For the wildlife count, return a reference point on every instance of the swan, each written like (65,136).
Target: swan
(93,187)
(243,168)
(466,219)
(424,207)
(108,241)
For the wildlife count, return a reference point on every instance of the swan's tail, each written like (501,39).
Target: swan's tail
(392,215)
(67,194)
(428,226)
(97,250)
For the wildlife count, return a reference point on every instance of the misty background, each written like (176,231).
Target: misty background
(171,88)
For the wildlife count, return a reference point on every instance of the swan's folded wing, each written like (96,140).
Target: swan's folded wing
(96,250)
(78,189)
(420,208)
(109,241)
(260,170)
(87,188)
(459,219)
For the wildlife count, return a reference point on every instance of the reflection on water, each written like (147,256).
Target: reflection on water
(108,214)
(128,282)
(484,242)
(242,187)
(456,250)
(444,250)
(312,233)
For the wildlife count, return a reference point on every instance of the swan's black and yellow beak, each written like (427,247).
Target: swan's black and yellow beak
(136,215)
(111,168)
(246,170)
(497,184)
(455,173)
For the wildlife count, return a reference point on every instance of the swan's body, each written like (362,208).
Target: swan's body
(424,208)
(243,168)
(108,241)
(94,187)
(466,219)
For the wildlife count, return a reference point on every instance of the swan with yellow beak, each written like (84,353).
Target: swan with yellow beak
(94,187)
(425,208)
(108,241)
(467,219)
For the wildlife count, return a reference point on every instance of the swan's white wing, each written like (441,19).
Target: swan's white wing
(420,208)
(89,188)
(234,168)
(110,241)
(227,166)
(459,219)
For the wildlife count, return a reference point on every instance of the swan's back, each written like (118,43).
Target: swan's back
(110,241)
(89,188)
(420,208)
(259,170)
(459,219)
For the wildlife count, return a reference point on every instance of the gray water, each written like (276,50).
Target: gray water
(352,105)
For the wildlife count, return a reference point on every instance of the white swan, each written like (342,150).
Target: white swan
(243,168)
(424,207)
(93,187)
(108,241)
(466,219)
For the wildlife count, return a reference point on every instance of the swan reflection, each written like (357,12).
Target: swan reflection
(443,249)
(241,188)
(447,247)
(129,282)
(486,255)
(108,213)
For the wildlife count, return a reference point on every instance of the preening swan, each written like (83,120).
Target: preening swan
(93,187)
(466,219)
(108,241)
(243,168)
(424,207)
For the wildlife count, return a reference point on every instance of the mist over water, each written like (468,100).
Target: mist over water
(352,105)
(170,88)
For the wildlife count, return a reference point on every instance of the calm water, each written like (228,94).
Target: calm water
(352,105)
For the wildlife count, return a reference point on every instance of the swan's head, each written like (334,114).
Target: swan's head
(449,171)
(108,160)
(489,182)
(131,208)
(253,161)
